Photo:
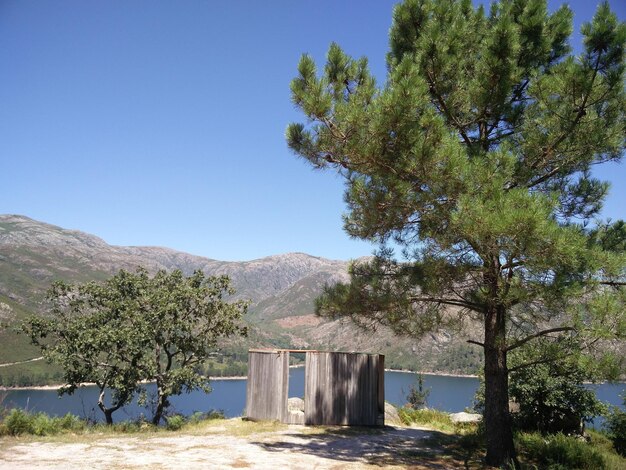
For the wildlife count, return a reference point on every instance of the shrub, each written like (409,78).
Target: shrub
(418,396)
(70,422)
(18,422)
(616,428)
(560,452)
(175,422)
(550,390)
(43,425)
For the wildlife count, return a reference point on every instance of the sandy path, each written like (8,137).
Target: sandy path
(291,447)
(6,364)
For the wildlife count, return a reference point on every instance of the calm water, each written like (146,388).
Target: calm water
(447,393)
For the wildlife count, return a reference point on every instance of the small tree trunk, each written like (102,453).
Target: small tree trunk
(500,446)
(108,412)
(108,416)
(162,404)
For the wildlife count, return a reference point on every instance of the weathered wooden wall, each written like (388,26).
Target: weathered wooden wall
(268,385)
(340,388)
(344,389)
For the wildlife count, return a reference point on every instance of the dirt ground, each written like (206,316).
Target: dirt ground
(234,444)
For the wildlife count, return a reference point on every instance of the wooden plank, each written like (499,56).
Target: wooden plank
(283,408)
(273,351)
(343,388)
(380,420)
(268,384)
(310,387)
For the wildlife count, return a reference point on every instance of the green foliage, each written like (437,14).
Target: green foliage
(175,422)
(560,452)
(18,422)
(550,394)
(133,328)
(616,427)
(221,368)
(418,396)
(474,158)
(431,417)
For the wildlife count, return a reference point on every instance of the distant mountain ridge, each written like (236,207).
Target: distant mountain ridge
(282,289)
(43,251)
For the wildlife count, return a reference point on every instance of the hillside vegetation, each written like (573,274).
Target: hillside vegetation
(282,289)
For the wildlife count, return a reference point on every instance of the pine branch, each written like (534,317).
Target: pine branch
(581,112)
(457,303)
(444,109)
(523,341)
(531,363)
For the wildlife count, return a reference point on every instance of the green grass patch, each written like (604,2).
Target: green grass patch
(428,417)
(560,452)
(17,422)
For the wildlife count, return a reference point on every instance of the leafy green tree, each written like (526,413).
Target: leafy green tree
(551,394)
(187,316)
(135,328)
(473,158)
(90,334)
(616,427)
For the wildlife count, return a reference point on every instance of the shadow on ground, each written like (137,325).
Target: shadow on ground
(376,446)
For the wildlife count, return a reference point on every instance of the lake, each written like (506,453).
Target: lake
(446,393)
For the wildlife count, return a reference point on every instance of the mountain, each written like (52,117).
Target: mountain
(282,290)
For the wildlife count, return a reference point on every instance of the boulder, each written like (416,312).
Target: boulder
(391,415)
(464,417)
(295,404)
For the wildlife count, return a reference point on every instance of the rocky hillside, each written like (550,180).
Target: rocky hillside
(282,289)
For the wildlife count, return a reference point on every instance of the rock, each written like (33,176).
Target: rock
(514,407)
(295,404)
(464,417)
(391,415)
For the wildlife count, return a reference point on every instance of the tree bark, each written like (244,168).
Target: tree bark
(108,412)
(500,446)
(162,404)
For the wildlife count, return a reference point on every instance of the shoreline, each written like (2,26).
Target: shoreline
(436,374)
(297,366)
(233,377)
(4,388)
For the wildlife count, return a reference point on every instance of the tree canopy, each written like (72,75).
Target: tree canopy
(475,159)
(134,328)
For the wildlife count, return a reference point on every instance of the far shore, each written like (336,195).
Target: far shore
(236,377)
(439,374)
(243,377)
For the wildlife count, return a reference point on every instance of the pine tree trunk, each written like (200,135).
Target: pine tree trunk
(500,446)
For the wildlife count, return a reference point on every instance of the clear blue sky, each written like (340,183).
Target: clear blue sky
(162,123)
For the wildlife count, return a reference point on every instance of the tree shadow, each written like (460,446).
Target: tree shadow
(375,446)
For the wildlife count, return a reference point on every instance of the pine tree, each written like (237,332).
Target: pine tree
(474,157)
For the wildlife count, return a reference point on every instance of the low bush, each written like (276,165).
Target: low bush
(418,395)
(175,422)
(18,422)
(615,426)
(561,452)
(199,416)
